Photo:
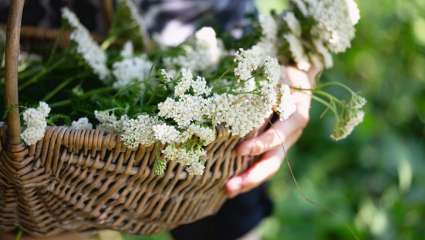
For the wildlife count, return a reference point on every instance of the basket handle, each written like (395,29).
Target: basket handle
(11,71)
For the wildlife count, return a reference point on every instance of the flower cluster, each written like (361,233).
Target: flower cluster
(351,116)
(129,70)
(193,159)
(201,53)
(35,123)
(287,105)
(188,91)
(87,48)
(249,60)
(82,123)
(331,32)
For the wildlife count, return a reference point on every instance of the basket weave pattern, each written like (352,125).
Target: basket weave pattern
(76,180)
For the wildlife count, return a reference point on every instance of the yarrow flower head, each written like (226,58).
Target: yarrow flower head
(240,113)
(287,105)
(196,168)
(108,121)
(166,133)
(187,82)
(351,116)
(86,47)
(345,126)
(82,123)
(200,53)
(332,30)
(193,159)
(251,59)
(269,27)
(35,123)
(139,131)
(297,50)
(185,110)
(131,70)
(205,134)
(128,50)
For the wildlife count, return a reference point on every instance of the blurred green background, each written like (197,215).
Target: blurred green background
(373,183)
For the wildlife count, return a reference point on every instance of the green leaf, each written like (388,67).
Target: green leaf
(159,167)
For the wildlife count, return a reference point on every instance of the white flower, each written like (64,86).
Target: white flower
(240,113)
(166,133)
(353,11)
(292,23)
(301,6)
(130,70)
(35,123)
(185,110)
(87,48)
(251,59)
(167,75)
(82,123)
(185,82)
(324,53)
(357,102)
(272,70)
(139,131)
(206,134)
(346,125)
(268,27)
(206,39)
(297,51)
(128,50)
(196,169)
(182,155)
(201,53)
(335,22)
(287,105)
(108,121)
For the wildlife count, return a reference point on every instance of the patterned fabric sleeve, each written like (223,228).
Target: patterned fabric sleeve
(163,18)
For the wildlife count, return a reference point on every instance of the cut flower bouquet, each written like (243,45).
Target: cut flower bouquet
(179,96)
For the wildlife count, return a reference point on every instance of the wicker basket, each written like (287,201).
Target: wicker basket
(76,180)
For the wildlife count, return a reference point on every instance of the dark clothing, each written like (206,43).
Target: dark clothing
(236,218)
(228,14)
(239,215)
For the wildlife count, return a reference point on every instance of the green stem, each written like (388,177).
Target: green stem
(336,84)
(323,102)
(88,94)
(96,91)
(41,74)
(108,42)
(29,72)
(59,88)
(329,96)
(61,103)
(19,235)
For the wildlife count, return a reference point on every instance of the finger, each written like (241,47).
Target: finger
(275,136)
(262,170)
(292,140)
(235,186)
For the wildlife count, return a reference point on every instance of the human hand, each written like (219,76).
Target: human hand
(273,144)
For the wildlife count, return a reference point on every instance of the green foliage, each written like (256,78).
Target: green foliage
(159,166)
(372,183)
(123,16)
